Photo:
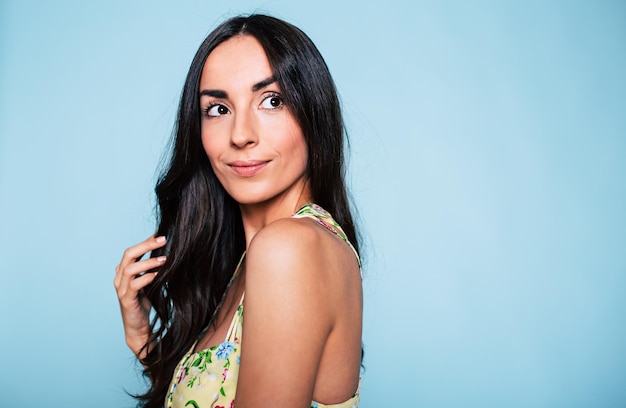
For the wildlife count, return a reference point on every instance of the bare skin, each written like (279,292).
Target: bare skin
(130,278)
(303,297)
(313,305)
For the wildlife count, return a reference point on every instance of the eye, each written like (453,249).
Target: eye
(216,110)
(272,101)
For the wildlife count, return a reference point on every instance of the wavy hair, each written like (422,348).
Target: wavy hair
(202,223)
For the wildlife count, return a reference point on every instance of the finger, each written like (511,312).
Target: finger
(139,267)
(129,297)
(116,279)
(141,282)
(135,252)
(136,270)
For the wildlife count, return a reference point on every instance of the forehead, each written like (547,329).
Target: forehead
(238,61)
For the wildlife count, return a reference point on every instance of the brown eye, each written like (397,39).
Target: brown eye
(216,110)
(272,102)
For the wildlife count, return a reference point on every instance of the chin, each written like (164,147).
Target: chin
(250,198)
(258,199)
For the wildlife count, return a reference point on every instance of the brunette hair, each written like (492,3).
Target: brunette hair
(202,223)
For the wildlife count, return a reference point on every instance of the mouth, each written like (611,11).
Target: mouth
(248,168)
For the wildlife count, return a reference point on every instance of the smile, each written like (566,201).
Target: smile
(248,168)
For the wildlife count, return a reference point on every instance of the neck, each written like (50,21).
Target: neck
(258,215)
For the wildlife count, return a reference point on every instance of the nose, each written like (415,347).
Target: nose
(244,131)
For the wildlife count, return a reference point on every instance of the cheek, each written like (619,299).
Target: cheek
(296,143)
(300,154)
(301,149)
(303,152)
(210,147)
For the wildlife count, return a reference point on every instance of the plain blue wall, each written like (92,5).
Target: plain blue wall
(488,165)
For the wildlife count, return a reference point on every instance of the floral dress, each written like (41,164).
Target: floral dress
(208,378)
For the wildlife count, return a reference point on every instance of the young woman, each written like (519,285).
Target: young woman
(253,287)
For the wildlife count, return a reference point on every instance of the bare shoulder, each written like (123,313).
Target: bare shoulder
(303,297)
(299,302)
(283,253)
(305,266)
(300,246)
(288,235)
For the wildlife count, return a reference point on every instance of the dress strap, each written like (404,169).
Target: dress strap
(235,324)
(219,306)
(324,218)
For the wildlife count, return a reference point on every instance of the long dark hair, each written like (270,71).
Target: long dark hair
(202,223)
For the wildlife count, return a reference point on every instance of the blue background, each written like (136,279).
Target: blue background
(487,164)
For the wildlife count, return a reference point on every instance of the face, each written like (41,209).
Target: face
(253,141)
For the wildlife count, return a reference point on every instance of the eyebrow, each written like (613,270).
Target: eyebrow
(218,93)
(260,85)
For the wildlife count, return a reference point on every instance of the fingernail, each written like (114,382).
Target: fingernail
(160,239)
(161,259)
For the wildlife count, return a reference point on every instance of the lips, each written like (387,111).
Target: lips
(247,168)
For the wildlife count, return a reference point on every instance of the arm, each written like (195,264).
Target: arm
(130,278)
(287,316)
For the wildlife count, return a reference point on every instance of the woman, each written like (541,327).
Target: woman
(258,140)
